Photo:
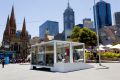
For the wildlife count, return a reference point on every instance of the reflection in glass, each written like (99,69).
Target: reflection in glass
(63,52)
(43,55)
(78,54)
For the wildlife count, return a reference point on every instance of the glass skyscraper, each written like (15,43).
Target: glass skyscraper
(52,28)
(117,19)
(103,14)
(69,21)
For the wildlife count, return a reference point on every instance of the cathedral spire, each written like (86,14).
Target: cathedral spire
(12,18)
(7,30)
(8,23)
(24,27)
(12,13)
(12,24)
(24,32)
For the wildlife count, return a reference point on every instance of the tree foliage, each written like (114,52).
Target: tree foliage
(75,35)
(84,35)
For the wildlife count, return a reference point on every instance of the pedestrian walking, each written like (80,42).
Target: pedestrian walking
(96,56)
(3,62)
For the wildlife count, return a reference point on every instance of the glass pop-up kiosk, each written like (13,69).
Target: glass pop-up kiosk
(61,56)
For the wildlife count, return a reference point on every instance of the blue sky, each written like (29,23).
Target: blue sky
(37,12)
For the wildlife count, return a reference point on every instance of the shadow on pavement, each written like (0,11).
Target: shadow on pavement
(43,69)
(102,67)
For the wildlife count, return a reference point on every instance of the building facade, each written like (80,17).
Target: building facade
(60,36)
(35,40)
(107,35)
(102,14)
(80,25)
(51,26)
(69,21)
(13,40)
(117,19)
(87,23)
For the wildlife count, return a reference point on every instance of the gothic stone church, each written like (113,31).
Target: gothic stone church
(16,42)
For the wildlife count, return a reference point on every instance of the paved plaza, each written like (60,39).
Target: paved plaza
(23,72)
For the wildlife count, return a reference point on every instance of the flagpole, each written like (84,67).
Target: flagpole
(96,26)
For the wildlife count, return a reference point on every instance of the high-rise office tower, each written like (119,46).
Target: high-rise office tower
(87,23)
(69,21)
(102,14)
(52,28)
(117,19)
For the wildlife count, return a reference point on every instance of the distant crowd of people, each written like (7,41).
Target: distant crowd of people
(2,61)
(19,60)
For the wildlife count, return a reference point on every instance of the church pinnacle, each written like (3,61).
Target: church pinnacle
(7,29)
(24,28)
(12,18)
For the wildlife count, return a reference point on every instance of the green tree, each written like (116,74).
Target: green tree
(75,35)
(84,35)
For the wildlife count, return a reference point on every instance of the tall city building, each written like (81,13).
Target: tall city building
(117,19)
(87,23)
(51,26)
(102,14)
(69,21)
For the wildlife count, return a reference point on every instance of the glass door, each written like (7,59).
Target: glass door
(49,54)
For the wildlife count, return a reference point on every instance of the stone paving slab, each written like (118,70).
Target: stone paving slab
(23,72)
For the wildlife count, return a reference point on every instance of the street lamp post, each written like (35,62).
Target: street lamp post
(96,26)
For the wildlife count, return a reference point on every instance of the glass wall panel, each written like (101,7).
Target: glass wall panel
(43,55)
(34,55)
(78,53)
(63,52)
(49,54)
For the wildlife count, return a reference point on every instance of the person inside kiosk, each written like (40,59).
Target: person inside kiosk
(64,58)
(63,52)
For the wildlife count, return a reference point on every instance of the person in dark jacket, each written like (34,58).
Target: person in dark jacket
(97,58)
(95,53)
(3,62)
